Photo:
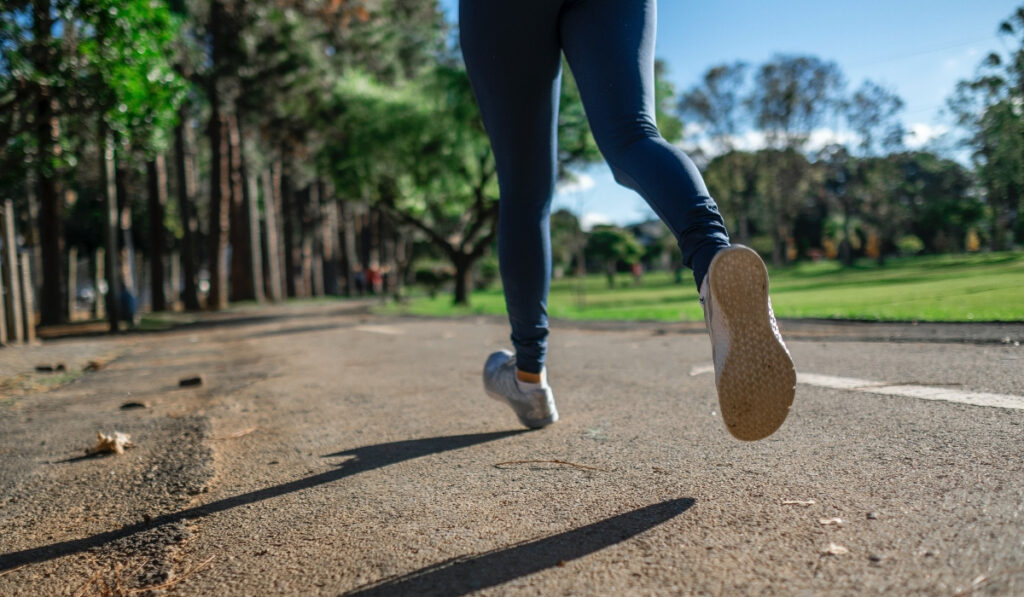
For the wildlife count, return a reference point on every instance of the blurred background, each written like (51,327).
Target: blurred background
(161,156)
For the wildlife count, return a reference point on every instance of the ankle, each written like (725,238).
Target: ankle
(527,377)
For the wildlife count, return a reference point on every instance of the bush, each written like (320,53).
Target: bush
(910,245)
(433,276)
(487,272)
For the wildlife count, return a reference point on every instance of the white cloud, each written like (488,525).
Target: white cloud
(583,182)
(822,138)
(756,140)
(920,134)
(591,219)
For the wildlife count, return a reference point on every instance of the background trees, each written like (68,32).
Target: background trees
(275,149)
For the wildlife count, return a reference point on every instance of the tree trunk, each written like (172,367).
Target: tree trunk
(463,279)
(242,288)
(156,173)
(331,237)
(312,247)
(4,339)
(31,232)
(98,280)
(220,209)
(47,133)
(108,168)
(778,245)
(28,299)
(255,243)
(271,192)
(845,247)
(291,250)
(185,166)
(744,222)
(403,255)
(9,269)
(174,298)
(128,280)
(350,258)
(51,228)
(72,281)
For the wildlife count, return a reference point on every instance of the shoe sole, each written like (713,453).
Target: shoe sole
(758,380)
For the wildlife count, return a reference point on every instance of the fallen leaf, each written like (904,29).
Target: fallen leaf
(114,443)
(835,550)
(831,521)
(798,502)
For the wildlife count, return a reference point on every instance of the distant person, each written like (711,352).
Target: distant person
(637,269)
(513,51)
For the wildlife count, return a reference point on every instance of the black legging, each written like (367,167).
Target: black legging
(513,54)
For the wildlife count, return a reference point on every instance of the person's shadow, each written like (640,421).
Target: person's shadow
(452,577)
(363,459)
(460,576)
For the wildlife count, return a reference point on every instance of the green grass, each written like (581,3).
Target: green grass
(981,287)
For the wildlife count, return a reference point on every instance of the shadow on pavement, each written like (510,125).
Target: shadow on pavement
(464,575)
(364,459)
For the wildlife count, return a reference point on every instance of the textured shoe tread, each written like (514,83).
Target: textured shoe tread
(757,381)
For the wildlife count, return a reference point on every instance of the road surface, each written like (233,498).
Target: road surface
(332,452)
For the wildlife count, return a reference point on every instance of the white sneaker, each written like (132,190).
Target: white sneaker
(754,372)
(535,408)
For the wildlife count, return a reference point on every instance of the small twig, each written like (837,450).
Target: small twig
(92,579)
(572,464)
(237,434)
(6,572)
(175,581)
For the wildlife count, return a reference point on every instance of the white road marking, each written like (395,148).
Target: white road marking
(913,391)
(702,370)
(905,390)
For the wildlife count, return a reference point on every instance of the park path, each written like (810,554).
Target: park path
(333,452)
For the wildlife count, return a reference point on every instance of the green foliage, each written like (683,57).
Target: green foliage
(716,103)
(576,144)
(669,125)
(608,243)
(130,77)
(909,245)
(487,272)
(567,239)
(872,113)
(989,110)
(980,287)
(432,276)
(792,96)
(612,246)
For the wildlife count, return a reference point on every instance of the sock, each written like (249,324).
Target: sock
(527,386)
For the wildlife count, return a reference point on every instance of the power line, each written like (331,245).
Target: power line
(896,57)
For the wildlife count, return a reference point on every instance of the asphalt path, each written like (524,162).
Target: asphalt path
(332,452)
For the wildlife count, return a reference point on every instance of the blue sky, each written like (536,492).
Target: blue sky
(918,48)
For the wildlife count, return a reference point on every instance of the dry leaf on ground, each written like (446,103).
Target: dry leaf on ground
(115,443)
(835,550)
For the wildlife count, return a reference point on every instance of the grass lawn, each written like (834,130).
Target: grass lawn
(979,287)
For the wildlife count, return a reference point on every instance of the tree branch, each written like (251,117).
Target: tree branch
(415,222)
